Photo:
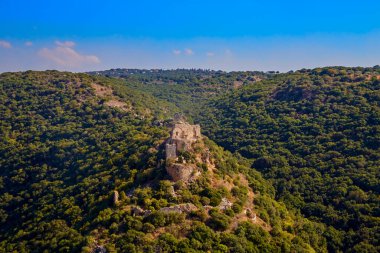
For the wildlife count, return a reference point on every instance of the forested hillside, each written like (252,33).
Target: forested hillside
(82,170)
(314,133)
(187,89)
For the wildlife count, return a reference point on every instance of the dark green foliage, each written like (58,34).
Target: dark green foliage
(316,134)
(61,154)
(160,219)
(187,89)
(218,220)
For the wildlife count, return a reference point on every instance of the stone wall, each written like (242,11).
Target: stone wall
(171,151)
(186,132)
(181,138)
(181,208)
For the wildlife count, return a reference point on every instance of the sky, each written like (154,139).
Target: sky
(222,35)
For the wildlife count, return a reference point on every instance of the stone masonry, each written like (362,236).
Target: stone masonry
(182,137)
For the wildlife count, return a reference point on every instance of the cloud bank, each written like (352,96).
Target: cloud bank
(176,52)
(65,56)
(5,44)
(189,51)
(186,51)
(65,43)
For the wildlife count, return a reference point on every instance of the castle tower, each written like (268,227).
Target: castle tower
(171,151)
(182,136)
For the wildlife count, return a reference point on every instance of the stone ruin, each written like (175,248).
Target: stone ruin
(182,136)
(115,198)
(181,208)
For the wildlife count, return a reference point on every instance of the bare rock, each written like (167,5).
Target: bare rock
(180,171)
(100,249)
(181,208)
(137,211)
(172,191)
(225,204)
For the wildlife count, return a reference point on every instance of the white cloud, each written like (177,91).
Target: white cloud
(5,44)
(28,43)
(210,54)
(189,51)
(186,51)
(176,52)
(65,43)
(64,55)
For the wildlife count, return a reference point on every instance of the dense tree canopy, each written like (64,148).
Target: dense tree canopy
(315,134)
(65,150)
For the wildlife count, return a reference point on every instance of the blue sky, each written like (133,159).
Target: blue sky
(228,35)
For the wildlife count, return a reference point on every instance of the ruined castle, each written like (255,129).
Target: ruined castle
(182,136)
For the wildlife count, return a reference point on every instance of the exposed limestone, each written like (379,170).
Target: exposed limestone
(102,91)
(138,211)
(225,204)
(113,100)
(172,191)
(206,156)
(251,215)
(181,208)
(180,171)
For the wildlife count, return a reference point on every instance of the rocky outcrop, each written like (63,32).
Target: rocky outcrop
(225,204)
(178,171)
(181,208)
(138,211)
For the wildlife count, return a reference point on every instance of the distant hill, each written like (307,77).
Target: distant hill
(83,170)
(188,89)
